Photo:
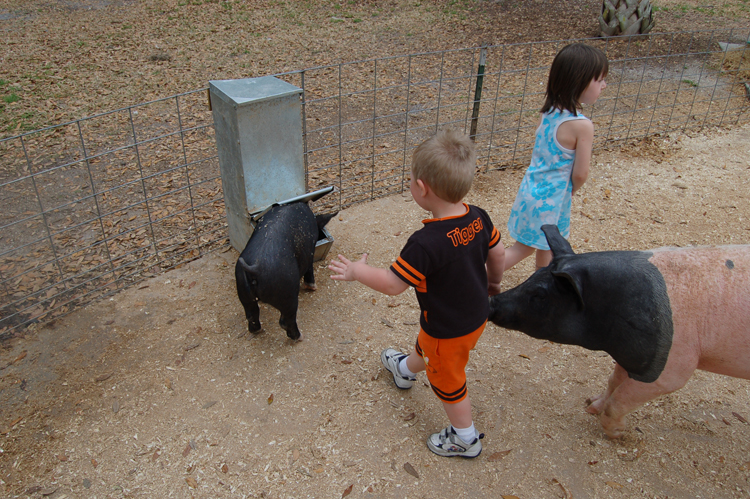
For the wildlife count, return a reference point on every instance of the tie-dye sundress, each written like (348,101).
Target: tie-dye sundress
(545,193)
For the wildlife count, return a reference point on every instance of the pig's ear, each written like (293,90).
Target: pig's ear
(574,281)
(322,220)
(558,244)
(250,269)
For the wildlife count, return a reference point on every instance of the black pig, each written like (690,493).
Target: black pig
(614,301)
(279,253)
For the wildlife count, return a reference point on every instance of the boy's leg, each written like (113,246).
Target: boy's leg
(516,253)
(415,363)
(446,361)
(459,414)
(393,361)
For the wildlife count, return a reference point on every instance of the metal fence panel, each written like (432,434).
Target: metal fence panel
(93,206)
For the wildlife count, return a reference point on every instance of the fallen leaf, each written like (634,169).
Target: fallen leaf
(614,485)
(190,286)
(509,497)
(156,455)
(745,466)
(48,492)
(742,420)
(209,404)
(20,357)
(346,361)
(295,455)
(524,356)
(410,470)
(410,416)
(187,450)
(103,377)
(191,482)
(94,463)
(270,399)
(497,456)
(566,492)
(224,468)
(387,322)
(348,490)
(62,457)
(543,349)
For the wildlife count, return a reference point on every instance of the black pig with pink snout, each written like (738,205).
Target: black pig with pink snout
(660,314)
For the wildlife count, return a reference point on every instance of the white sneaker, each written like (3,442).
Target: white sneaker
(447,443)
(391,359)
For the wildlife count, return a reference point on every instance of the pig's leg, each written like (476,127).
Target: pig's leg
(596,404)
(288,323)
(249,303)
(308,281)
(288,319)
(632,394)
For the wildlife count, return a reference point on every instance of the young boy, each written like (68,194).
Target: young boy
(445,263)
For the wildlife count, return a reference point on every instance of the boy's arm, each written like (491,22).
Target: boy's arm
(584,133)
(382,280)
(495,266)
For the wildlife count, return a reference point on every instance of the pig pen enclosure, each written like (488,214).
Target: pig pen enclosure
(127,370)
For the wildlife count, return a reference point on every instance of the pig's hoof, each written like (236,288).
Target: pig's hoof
(613,434)
(309,287)
(594,405)
(611,427)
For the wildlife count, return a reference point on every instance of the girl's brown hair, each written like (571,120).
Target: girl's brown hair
(573,68)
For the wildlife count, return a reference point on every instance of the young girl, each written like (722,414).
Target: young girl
(562,153)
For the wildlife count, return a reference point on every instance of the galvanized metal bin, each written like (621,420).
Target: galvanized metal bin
(258,125)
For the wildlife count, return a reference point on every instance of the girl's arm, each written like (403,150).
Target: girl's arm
(584,137)
(382,280)
(495,267)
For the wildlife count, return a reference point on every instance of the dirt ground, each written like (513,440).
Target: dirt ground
(160,392)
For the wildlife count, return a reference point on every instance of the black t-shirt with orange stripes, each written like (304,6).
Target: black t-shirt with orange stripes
(445,263)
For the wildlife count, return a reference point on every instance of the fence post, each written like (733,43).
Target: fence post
(478,93)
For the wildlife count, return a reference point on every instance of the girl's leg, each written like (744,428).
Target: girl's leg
(516,253)
(543,257)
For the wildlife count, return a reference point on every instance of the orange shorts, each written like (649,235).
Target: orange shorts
(446,361)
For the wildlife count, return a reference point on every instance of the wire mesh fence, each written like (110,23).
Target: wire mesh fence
(98,204)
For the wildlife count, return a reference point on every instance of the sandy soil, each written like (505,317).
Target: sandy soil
(160,392)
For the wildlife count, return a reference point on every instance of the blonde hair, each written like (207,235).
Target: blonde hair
(446,162)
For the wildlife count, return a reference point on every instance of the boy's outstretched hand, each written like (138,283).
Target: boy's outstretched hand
(343,268)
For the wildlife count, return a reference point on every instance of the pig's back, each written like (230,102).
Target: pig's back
(709,293)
